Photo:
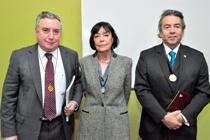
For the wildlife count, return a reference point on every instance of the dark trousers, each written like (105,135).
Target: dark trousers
(183,133)
(52,130)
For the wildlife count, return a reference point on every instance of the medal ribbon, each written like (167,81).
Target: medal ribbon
(103,77)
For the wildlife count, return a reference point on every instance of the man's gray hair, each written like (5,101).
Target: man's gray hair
(47,14)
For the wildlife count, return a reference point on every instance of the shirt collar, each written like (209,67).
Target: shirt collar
(167,49)
(42,52)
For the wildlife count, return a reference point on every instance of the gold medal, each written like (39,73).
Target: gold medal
(172,77)
(50,88)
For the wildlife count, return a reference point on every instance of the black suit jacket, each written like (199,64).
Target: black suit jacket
(155,91)
(21,110)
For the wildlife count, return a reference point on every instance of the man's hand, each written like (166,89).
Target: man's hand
(10,138)
(70,108)
(173,120)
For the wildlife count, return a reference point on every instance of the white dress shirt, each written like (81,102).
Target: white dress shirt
(167,50)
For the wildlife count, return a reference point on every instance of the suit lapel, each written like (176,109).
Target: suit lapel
(95,66)
(183,54)
(35,70)
(67,64)
(161,56)
(113,65)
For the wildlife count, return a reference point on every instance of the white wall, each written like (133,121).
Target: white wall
(136,23)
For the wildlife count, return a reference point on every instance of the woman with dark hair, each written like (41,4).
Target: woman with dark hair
(106,80)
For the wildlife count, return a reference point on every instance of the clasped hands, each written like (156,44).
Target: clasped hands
(70,108)
(173,120)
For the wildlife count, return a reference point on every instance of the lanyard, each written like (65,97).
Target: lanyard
(103,77)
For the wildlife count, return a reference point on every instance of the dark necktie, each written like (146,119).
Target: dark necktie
(173,58)
(49,102)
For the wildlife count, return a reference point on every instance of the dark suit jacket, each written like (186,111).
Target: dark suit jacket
(21,110)
(155,91)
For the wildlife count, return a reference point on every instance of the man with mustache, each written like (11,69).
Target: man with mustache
(162,72)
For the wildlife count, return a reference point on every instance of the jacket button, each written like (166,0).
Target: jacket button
(40,118)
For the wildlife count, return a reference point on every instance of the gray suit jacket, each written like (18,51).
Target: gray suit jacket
(105,116)
(155,91)
(21,109)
